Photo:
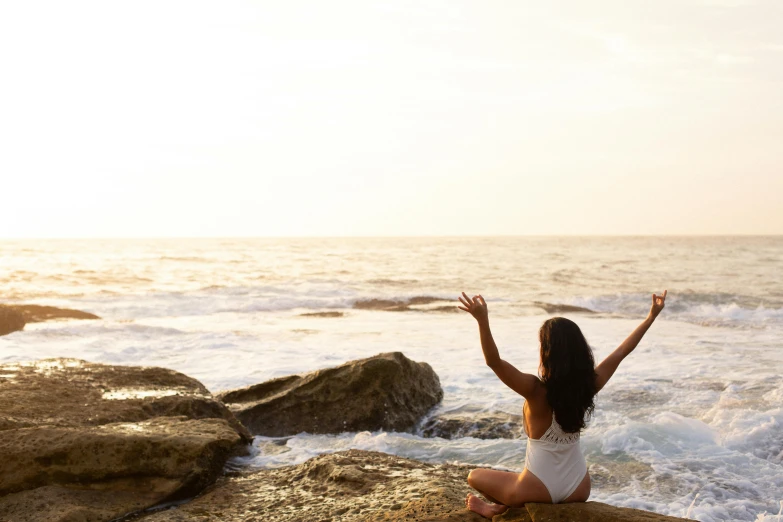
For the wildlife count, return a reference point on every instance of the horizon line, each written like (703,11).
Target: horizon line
(445,236)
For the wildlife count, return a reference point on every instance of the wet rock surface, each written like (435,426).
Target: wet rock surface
(366,486)
(72,392)
(421,303)
(346,486)
(11,320)
(83,441)
(477,425)
(322,314)
(385,392)
(38,313)
(14,317)
(558,308)
(581,512)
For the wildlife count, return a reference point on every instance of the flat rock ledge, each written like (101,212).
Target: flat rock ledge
(366,486)
(14,317)
(385,392)
(454,425)
(92,442)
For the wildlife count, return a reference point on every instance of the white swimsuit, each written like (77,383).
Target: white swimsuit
(557,460)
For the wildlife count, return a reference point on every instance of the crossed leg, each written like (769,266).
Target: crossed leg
(505,489)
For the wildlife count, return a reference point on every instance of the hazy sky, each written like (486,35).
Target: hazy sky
(285,118)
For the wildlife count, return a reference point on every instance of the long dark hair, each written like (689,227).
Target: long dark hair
(568,372)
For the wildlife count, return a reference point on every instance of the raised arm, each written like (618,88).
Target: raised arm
(524,384)
(606,369)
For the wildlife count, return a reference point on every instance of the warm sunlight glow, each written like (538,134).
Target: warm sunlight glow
(390,118)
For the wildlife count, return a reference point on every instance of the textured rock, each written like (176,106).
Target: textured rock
(38,313)
(82,441)
(385,392)
(418,303)
(480,426)
(555,308)
(163,459)
(11,320)
(590,512)
(366,486)
(352,485)
(514,515)
(72,392)
(14,317)
(322,314)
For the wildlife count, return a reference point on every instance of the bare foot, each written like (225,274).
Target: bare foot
(485,509)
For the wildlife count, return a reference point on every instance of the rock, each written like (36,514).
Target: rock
(385,392)
(322,314)
(75,393)
(514,515)
(555,308)
(82,441)
(480,426)
(14,317)
(588,512)
(381,304)
(352,485)
(395,305)
(161,460)
(38,313)
(366,486)
(11,320)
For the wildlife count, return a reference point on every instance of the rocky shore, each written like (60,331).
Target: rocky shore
(368,486)
(90,442)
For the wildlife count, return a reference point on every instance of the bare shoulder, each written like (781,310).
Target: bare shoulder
(538,400)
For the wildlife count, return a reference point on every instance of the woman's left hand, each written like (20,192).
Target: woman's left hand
(658,302)
(476,307)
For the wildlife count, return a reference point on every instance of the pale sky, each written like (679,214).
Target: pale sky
(369,118)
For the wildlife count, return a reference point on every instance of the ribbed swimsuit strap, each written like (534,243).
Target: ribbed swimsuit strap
(551,427)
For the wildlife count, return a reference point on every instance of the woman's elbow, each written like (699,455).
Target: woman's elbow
(494,363)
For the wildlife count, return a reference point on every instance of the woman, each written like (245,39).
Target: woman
(557,405)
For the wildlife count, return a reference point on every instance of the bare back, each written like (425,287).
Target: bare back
(537,413)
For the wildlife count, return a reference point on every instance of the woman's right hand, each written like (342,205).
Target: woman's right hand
(658,302)
(476,307)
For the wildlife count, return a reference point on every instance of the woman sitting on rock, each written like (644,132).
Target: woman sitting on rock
(557,404)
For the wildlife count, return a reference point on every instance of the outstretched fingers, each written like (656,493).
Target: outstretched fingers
(466,302)
(471,304)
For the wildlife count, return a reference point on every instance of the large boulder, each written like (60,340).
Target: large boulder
(367,486)
(11,320)
(385,392)
(82,441)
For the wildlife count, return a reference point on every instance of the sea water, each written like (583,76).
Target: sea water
(691,423)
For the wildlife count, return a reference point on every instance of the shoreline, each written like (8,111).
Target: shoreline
(115,443)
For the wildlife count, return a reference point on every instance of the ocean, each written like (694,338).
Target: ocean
(690,425)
